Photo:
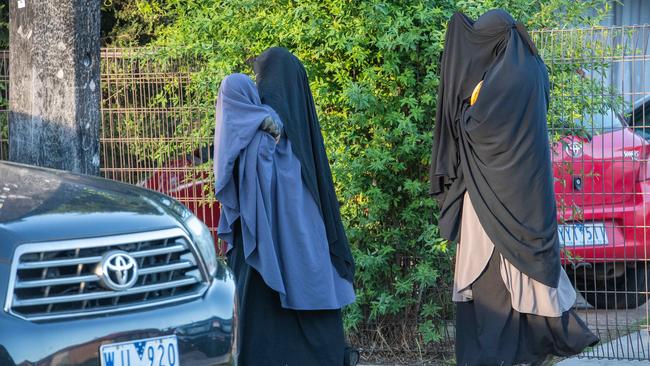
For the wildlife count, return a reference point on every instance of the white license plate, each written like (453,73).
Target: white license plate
(580,235)
(159,351)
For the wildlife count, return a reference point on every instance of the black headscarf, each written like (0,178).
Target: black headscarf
(497,150)
(283,85)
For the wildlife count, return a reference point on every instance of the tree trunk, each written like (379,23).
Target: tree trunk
(54,84)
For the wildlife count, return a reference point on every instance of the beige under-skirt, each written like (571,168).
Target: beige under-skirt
(528,295)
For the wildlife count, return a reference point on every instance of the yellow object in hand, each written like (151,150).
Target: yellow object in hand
(477,89)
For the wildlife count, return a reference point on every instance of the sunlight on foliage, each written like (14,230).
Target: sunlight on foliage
(374,72)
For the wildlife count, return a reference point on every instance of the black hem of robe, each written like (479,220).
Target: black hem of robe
(490,332)
(271,335)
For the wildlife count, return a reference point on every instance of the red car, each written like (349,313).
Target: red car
(181,180)
(602,188)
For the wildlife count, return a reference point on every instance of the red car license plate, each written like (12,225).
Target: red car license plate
(580,235)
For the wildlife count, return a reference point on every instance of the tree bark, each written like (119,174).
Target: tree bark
(54,84)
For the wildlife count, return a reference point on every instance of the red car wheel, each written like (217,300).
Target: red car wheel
(612,285)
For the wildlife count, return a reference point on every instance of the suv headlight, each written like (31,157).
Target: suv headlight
(203,240)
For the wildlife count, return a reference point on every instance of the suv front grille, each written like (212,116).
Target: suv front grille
(59,279)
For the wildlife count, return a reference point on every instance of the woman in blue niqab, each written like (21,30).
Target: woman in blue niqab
(290,294)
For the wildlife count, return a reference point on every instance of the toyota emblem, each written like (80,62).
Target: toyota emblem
(574,149)
(118,270)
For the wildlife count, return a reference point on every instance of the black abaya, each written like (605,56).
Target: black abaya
(283,85)
(490,332)
(497,149)
(270,335)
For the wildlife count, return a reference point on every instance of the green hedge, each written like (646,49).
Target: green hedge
(373,67)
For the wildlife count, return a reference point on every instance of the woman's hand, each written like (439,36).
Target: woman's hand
(271,127)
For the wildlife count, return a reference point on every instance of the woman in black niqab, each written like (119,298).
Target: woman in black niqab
(492,177)
(283,85)
(502,140)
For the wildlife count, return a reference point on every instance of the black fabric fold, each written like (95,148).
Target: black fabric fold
(282,83)
(498,149)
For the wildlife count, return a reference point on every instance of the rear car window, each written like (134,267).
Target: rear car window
(599,123)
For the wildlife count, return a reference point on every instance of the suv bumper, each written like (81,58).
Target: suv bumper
(204,328)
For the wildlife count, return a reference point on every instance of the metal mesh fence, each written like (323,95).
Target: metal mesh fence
(600,108)
(156,135)
(151,131)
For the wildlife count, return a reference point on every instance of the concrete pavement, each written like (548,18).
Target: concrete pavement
(631,346)
(584,362)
